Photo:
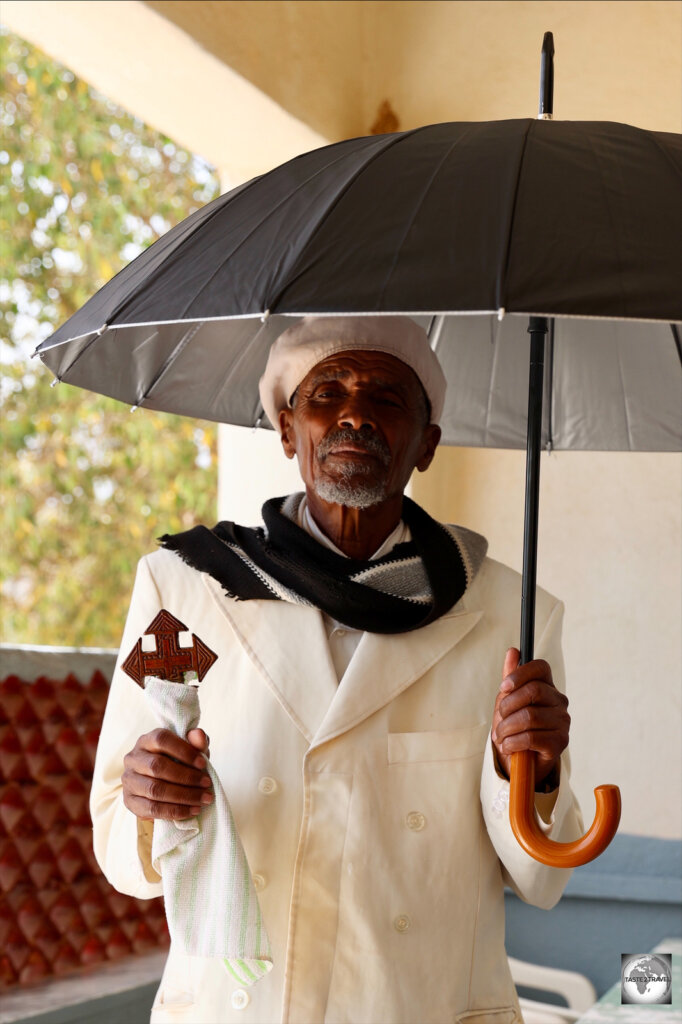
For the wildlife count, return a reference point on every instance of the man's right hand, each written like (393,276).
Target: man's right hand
(165,776)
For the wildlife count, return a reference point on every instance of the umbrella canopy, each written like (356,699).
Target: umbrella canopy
(470,227)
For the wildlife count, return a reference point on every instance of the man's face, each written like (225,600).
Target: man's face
(359,427)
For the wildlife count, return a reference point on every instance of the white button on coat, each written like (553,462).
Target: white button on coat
(401,923)
(415,820)
(267,785)
(240,999)
(259,882)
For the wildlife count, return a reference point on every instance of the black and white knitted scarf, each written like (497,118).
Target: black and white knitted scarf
(412,585)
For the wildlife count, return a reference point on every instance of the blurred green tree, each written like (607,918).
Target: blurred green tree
(86,486)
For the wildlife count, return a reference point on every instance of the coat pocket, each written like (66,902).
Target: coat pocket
(420,747)
(173,1006)
(501,1015)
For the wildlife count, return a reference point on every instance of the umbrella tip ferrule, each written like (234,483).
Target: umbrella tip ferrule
(134,408)
(265,316)
(547,78)
(53,383)
(500,313)
(545,117)
(102,329)
(257,424)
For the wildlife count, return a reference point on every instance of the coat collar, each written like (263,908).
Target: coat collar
(288,646)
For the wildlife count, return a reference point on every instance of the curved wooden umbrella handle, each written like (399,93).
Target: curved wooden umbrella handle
(531,837)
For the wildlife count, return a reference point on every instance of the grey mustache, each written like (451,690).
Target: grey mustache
(370,442)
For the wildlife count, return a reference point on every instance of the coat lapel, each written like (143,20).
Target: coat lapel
(288,646)
(383,666)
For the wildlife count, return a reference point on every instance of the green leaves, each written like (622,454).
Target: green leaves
(86,486)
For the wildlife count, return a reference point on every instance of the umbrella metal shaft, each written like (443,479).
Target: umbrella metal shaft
(537,328)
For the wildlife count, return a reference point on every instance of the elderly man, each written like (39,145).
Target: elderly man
(362,711)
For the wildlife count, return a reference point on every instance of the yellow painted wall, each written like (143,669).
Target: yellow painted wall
(617,60)
(331,63)
(306,56)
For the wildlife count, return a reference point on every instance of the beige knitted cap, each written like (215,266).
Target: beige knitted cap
(315,338)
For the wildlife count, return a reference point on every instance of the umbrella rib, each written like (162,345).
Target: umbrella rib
(178,243)
(394,140)
(82,351)
(632,447)
(222,384)
(613,225)
(653,136)
(181,345)
(504,275)
(270,213)
(678,341)
(415,211)
(489,408)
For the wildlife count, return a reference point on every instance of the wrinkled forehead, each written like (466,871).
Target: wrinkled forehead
(374,368)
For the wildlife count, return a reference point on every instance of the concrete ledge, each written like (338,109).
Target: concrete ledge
(109,994)
(29,662)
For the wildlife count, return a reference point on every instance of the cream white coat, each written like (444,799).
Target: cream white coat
(373,819)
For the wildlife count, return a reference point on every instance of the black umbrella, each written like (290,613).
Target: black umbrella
(473,228)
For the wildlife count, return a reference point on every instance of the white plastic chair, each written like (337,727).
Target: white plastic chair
(576,989)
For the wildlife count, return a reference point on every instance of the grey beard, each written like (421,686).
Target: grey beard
(342,491)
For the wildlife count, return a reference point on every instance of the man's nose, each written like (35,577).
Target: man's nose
(357,413)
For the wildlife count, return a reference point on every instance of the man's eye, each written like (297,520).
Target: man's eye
(327,393)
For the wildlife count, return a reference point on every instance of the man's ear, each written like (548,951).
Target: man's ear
(430,440)
(287,435)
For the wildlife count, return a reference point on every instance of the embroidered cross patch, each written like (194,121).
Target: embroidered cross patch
(169,660)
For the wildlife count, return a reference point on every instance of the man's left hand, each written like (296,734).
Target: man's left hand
(530,714)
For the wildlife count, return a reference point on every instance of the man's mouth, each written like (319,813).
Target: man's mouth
(350,444)
(352,449)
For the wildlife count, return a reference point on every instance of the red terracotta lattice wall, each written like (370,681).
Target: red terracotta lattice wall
(57,911)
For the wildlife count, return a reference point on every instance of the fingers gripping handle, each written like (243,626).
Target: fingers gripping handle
(533,840)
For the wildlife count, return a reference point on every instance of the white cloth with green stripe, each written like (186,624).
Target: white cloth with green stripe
(211,904)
